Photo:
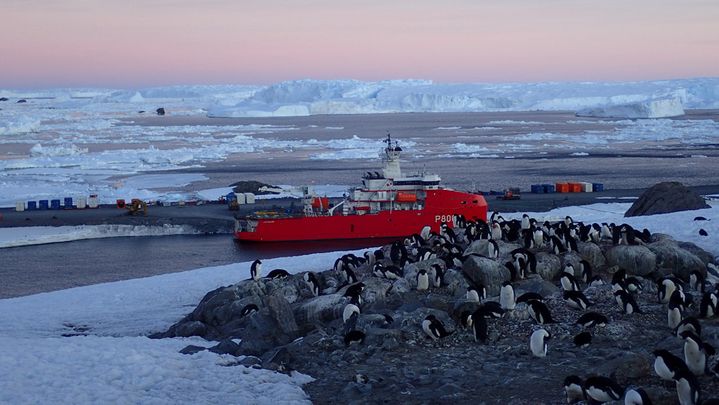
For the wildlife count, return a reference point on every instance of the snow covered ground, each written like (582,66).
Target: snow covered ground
(115,363)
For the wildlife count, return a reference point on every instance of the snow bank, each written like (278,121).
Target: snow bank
(662,108)
(38,235)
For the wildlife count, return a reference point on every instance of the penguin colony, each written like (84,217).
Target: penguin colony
(688,303)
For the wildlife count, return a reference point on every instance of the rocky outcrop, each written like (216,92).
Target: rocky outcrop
(489,273)
(636,260)
(681,262)
(666,197)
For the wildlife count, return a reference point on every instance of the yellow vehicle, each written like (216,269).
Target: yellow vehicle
(136,206)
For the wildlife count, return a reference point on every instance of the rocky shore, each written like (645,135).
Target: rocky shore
(291,328)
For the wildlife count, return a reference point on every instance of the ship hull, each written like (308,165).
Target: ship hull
(441,207)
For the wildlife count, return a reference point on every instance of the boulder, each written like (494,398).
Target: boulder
(593,254)
(637,260)
(548,265)
(487,272)
(666,197)
(324,308)
(680,261)
(455,283)
(192,328)
(282,313)
(702,254)
(160,111)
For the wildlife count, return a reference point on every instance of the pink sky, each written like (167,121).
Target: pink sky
(135,43)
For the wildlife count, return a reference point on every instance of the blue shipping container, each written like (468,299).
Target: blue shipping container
(55,204)
(31,205)
(68,202)
(597,187)
(43,204)
(548,188)
(536,188)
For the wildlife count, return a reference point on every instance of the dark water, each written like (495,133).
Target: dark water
(34,269)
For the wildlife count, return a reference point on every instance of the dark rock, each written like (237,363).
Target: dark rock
(455,282)
(593,254)
(702,254)
(160,111)
(637,260)
(320,309)
(282,313)
(3,99)
(250,186)
(487,272)
(192,349)
(276,359)
(666,197)
(192,328)
(226,346)
(250,361)
(22,100)
(682,262)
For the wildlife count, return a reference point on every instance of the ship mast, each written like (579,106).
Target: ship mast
(391,168)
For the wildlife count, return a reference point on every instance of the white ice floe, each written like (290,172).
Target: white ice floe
(659,108)
(38,235)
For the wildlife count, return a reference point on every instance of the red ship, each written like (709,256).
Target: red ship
(386,205)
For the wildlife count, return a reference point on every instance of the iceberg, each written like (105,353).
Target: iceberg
(660,108)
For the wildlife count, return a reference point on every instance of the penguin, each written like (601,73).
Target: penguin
(248,309)
(465,319)
(667,365)
(674,313)
(618,279)
(569,283)
(576,300)
(696,281)
(568,269)
(473,295)
(583,339)
(708,305)
(479,326)
(349,275)
(424,254)
(538,238)
(492,249)
(570,244)
(596,281)
(354,336)
(369,258)
(425,232)
(438,275)
(602,389)
(665,289)
(392,272)
(422,280)
(627,302)
(585,271)
(525,222)
(574,388)
(355,290)
(539,312)
(636,396)
(689,324)
(256,269)
(694,355)
(591,319)
(687,388)
(278,273)
(506,296)
(361,379)
(350,310)
(557,245)
(492,309)
(434,328)
(633,285)
(312,282)
(538,342)
(529,296)
(378,270)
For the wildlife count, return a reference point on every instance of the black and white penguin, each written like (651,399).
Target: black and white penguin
(256,270)
(569,283)
(574,388)
(248,309)
(476,294)
(492,309)
(538,342)
(495,232)
(674,312)
(570,243)
(576,300)
(695,356)
(434,328)
(361,378)
(392,272)
(539,312)
(506,296)
(278,273)
(687,388)
(602,389)
(708,305)
(665,288)
(355,290)
(688,324)
(568,269)
(354,336)
(465,319)
(349,275)
(627,302)
(529,296)
(492,249)
(636,396)
(596,281)
(696,281)
(312,282)
(525,222)
(422,280)
(585,271)
(538,238)
(591,319)
(479,326)
(633,285)
(437,276)
(425,232)
(557,245)
(351,309)
(667,365)
(618,279)
(583,339)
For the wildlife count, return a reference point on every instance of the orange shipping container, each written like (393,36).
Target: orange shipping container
(575,187)
(562,187)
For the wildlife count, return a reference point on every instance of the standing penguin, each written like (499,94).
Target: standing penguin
(667,365)
(438,275)
(422,280)
(585,269)
(492,249)
(350,310)
(708,305)
(434,328)
(665,289)
(506,296)
(479,326)
(687,388)
(602,389)
(569,283)
(312,282)
(674,313)
(574,388)
(636,396)
(695,356)
(476,294)
(538,342)
(256,270)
